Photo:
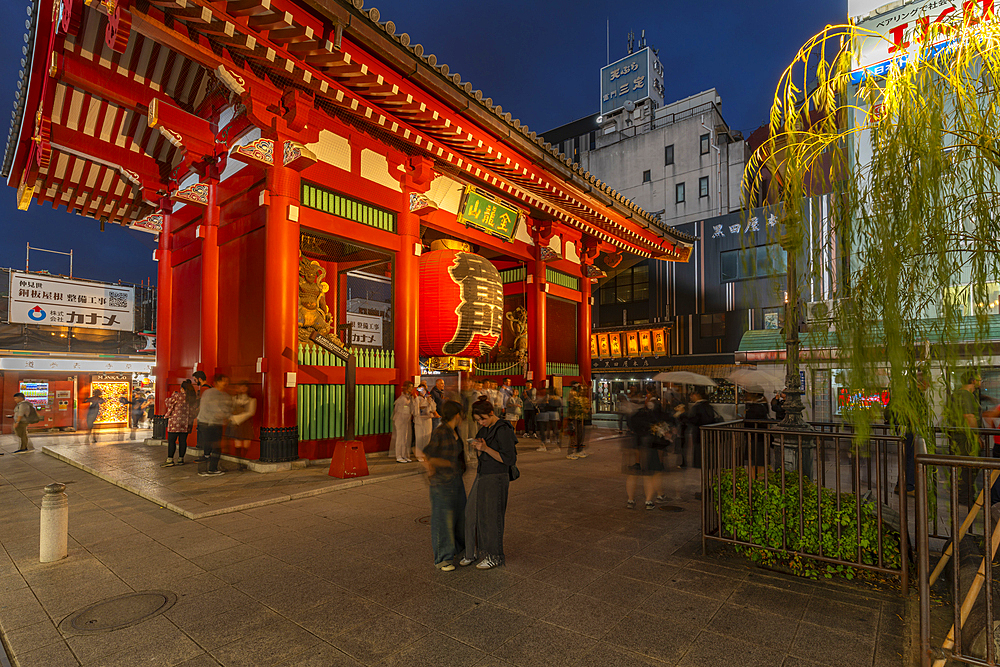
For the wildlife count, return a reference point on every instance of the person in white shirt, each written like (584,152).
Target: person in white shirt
(402,419)
(423,415)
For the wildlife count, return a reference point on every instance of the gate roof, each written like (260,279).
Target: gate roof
(82,135)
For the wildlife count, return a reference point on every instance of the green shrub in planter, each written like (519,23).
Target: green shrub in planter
(762,524)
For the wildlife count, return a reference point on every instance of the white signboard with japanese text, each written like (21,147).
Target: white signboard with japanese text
(366,330)
(898,35)
(61,302)
(60,365)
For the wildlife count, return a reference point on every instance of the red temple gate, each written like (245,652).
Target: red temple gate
(275,146)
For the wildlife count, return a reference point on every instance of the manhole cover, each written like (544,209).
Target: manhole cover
(671,508)
(119,612)
(424,520)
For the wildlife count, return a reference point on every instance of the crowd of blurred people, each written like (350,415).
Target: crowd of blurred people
(665,432)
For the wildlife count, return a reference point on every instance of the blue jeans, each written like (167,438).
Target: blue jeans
(448,519)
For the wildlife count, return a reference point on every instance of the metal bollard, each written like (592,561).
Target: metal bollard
(54,524)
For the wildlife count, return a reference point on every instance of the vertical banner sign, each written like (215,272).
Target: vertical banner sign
(616,344)
(51,301)
(660,342)
(632,343)
(603,346)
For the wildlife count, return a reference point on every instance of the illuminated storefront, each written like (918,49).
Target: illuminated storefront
(58,386)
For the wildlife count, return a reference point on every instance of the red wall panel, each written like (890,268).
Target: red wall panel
(185,317)
(241,306)
(560,344)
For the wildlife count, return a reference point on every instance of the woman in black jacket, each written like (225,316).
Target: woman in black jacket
(496,447)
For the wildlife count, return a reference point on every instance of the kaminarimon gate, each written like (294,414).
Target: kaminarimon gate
(299,160)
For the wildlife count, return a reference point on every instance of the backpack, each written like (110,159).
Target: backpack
(32,416)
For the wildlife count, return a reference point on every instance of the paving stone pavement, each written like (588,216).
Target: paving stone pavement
(346,579)
(135,467)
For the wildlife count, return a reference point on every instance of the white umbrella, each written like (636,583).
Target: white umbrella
(756,381)
(684,377)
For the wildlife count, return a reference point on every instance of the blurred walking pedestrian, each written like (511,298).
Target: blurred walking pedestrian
(756,415)
(550,420)
(624,408)
(778,406)
(578,413)
(214,411)
(94,403)
(24,413)
(133,410)
(514,408)
(530,406)
(496,447)
(444,460)
(240,428)
(402,421)
(640,459)
(180,415)
(962,414)
(506,390)
(437,393)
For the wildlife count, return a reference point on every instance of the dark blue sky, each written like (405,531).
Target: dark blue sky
(539,59)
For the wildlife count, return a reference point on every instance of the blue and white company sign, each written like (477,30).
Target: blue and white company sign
(63,302)
(636,77)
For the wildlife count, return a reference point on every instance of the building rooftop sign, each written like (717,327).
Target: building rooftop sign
(634,78)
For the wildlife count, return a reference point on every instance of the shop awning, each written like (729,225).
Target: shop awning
(769,344)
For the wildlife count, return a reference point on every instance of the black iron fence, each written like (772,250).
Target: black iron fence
(819,502)
(960,540)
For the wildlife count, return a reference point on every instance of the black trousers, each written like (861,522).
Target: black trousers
(210,441)
(175,439)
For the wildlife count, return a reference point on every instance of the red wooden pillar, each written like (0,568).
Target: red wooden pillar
(406,310)
(164,297)
(537,313)
(208,231)
(281,295)
(583,334)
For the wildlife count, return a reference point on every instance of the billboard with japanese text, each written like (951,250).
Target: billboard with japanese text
(366,330)
(62,302)
(634,78)
(897,35)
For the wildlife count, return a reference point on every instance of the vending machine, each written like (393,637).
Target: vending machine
(53,400)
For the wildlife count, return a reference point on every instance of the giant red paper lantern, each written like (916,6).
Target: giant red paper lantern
(461,304)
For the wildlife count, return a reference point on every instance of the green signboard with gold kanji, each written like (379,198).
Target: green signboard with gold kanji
(490,216)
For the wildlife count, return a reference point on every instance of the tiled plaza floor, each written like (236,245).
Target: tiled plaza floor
(346,578)
(135,467)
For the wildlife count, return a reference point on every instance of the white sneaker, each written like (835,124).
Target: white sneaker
(581,455)
(543,448)
(402,460)
(572,456)
(486,563)
(465,562)
(445,567)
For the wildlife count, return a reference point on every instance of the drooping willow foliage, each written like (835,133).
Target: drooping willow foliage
(912,159)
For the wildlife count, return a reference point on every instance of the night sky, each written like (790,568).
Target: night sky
(539,59)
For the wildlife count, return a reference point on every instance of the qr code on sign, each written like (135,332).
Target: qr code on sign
(118,299)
